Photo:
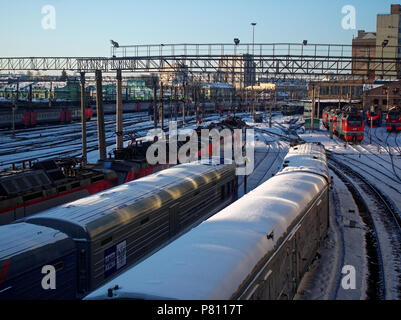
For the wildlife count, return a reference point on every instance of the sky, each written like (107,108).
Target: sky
(85,27)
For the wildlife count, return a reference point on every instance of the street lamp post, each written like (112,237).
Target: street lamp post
(236,43)
(384,43)
(253,57)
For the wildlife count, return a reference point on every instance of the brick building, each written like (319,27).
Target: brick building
(382,96)
(363,49)
(331,90)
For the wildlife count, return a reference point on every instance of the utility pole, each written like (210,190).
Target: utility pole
(196,100)
(318,102)
(313,106)
(271,106)
(83,119)
(252,73)
(176,103)
(161,110)
(119,112)
(171,103)
(154,104)
(14,107)
(100,116)
(184,84)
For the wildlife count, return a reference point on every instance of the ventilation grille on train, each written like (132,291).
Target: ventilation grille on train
(23,182)
(52,170)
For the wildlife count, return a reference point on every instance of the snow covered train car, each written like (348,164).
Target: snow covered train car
(114,229)
(25,250)
(257,248)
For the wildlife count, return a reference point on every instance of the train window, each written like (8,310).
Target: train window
(106,241)
(59,266)
(75,185)
(32,196)
(222,192)
(62,189)
(143,221)
(228,188)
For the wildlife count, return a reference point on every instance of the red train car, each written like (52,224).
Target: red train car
(373,118)
(393,119)
(27,117)
(347,123)
(52,182)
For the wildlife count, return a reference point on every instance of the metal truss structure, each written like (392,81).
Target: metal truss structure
(307,61)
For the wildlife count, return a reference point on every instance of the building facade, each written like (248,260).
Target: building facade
(382,96)
(363,53)
(346,90)
(388,40)
(239,71)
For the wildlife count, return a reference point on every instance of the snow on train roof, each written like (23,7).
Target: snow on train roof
(212,260)
(86,212)
(306,157)
(22,237)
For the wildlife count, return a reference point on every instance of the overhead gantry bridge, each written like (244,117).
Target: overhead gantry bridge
(227,62)
(291,60)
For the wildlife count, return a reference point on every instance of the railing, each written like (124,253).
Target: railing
(295,59)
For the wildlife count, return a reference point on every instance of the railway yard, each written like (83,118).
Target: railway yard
(364,216)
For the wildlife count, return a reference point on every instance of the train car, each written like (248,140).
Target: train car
(257,248)
(76,114)
(24,250)
(258,117)
(292,109)
(373,118)
(114,229)
(326,117)
(48,116)
(29,117)
(393,119)
(350,126)
(22,119)
(46,185)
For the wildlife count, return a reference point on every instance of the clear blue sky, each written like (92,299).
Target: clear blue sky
(84,27)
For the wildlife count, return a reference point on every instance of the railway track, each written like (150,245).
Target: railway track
(63,144)
(387,147)
(391,173)
(383,237)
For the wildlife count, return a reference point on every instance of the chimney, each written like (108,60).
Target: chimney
(395,9)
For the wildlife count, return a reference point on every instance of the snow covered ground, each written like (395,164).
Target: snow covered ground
(378,161)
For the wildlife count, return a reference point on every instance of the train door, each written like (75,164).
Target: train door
(174,219)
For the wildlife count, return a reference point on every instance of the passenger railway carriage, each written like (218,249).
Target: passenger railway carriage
(257,248)
(27,117)
(114,229)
